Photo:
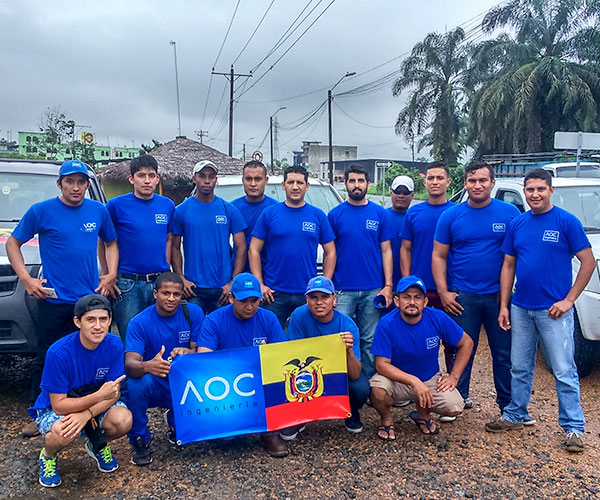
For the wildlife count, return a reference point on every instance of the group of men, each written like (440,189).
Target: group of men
(459,259)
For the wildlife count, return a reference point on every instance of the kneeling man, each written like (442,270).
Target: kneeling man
(80,391)
(406,347)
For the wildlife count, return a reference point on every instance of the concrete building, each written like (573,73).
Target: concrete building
(374,166)
(314,154)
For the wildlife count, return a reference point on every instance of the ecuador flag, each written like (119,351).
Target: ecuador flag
(304,380)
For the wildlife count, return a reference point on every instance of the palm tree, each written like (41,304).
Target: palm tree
(538,81)
(435,106)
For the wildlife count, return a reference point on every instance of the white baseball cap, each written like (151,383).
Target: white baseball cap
(403,180)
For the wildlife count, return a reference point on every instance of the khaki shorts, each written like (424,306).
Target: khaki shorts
(443,402)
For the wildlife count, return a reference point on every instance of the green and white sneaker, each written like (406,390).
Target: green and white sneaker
(104,458)
(49,476)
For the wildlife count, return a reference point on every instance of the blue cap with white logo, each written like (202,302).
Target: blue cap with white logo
(73,167)
(320,284)
(408,281)
(246,285)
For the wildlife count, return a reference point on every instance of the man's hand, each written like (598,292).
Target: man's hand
(35,287)
(180,350)
(559,308)
(107,286)
(504,318)
(188,288)
(111,390)
(71,425)
(451,306)
(158,366)
(348,340)
(388,294)
(425,398)
(224,298)
(447,383)
(267,294)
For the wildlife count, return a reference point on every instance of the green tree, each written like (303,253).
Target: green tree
(155,144)
(434,72)
(537,81)
(394,171)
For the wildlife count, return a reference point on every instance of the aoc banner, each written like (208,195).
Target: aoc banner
(258,389)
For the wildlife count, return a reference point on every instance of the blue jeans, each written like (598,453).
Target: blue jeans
(483,309)
(528,327)
(142,393)
(284,304)
(358,392)
(358,304)
(206,298)
(135,297)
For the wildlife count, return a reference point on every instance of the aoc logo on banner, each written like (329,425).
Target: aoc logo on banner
(304,380)
(217,388)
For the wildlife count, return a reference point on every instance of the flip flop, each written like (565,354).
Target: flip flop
(389,430)
(421,422)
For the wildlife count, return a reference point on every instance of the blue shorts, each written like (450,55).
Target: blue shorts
(46,418)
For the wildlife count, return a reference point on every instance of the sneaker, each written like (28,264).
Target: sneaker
(104,458)
(448,418)
(274,444)
(529,421)
(501,425)
(30,430)
(353,424)
(402,404)
(574,443)
(49,476)
(468,403)
(141,452)
(291,433)
(171,433)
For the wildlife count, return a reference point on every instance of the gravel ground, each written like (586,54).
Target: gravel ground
(463,461)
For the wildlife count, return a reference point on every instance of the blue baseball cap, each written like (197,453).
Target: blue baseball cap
(246,285)
(408,281)
(320,284)
(73,167)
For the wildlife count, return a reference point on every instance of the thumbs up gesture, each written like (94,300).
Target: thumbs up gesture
(158,366)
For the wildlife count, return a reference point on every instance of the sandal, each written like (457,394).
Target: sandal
(423,424)
(390,434)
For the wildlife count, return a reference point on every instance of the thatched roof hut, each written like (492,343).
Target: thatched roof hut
(175,162)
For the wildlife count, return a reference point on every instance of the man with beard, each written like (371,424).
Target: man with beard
(364,265)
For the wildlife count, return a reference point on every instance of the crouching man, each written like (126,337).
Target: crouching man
(406,347)
(80,391)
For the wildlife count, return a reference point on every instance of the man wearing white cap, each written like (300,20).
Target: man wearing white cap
(401,192)
(206,222)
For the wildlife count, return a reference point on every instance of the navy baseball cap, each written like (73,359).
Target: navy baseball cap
(408,281)
(73,167)
(246,285)
(320,284)
(91,302)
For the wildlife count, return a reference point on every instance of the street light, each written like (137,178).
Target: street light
(271,133)
(176,84)
(244,148)
(329,99)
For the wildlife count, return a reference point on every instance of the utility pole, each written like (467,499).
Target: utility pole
(177,85)
(201,134)
(329,99)
(244,148)
(271,135)
(232,77)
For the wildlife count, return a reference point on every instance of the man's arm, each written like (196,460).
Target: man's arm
(354,365)
(329,259)
(439,259)
(256,246)
(239,241)
(157,366)
(388,270)
(33,286)
(107,285)
(384,367)
(586,268)
(177,265)
(450,381)
(507,278)
(405,257)
(203,349)
(169,247)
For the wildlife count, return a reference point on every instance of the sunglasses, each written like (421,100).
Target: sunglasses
(401,190)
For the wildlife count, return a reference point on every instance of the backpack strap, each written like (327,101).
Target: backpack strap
(186,313)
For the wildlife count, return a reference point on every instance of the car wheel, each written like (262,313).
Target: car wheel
(587,351)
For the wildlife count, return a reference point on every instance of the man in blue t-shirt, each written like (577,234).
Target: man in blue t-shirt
(155,336)
(80,391)
(206,223)
(68,228)
(539,246)
(466,265)
(402,191)
(143,222)
(364,267)
(318,317)
(244,324)
(406,346)
(290,233)
(254,179)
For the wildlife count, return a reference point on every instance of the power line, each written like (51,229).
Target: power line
(218,106)
(226,34)
(358,121)
(254,32)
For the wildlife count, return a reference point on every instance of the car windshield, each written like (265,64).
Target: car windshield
(588,171)
(19,191)
(581,201)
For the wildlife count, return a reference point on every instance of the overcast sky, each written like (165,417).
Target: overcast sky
(109,65)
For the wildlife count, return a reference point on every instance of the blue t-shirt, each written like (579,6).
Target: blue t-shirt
(291,236)
(250,212)
(68,238)
(359,231)
(303,325)
(222,329)
(148,331)
(206,228)
(142,228)
(396,220)
(475,236)
(70,366)
(414,348)
(544,245)
(419,228)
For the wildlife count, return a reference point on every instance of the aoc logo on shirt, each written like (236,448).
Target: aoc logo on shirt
(88,227)
(433,342)
(221,219)
(372,224)
(499,227)
(184,336)
(259,340)
(101,373)
(310,227)
(550,235)
(161,218)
